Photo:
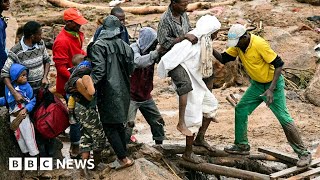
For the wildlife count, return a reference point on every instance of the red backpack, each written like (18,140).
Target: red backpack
(51,116)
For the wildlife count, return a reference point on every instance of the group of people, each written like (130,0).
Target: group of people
(105,85)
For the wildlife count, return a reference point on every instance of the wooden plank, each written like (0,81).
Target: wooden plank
(223,170)
(284,157)
(294,169)
(305,174)
(263,156)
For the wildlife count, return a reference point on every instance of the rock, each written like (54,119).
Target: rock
(313,2)
(65,176)
(9,147)
(292,95)
(225,75)
(219,72)
(317,49)
(11,29)
(46,175)
(150,151)
(142,170)
(312,92)
(295,50)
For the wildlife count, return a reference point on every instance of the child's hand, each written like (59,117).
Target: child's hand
(72,89)
(23,113)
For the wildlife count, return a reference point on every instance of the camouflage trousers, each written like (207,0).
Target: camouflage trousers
(92,134)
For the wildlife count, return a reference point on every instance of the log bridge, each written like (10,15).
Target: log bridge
(224,164)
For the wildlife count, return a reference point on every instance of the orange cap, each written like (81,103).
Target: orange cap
(74,14)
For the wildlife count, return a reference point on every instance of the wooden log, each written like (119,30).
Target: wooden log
(305,174)
(292,170)
(220,157)
(224,171)
(242,163)
(234,98)
(179,149)
(229,99)
(284,157)
(266,157)
(141,9)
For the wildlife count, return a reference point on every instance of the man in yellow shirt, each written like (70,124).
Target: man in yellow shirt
(264,67)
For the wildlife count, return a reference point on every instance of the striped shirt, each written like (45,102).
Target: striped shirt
(169,28)
(33,58)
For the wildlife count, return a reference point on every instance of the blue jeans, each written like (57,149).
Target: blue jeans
(152,115)
(75,133)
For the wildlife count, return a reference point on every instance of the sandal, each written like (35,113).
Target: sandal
(124,165)
(114,164)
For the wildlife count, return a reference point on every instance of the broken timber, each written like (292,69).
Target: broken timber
(179,149)
(306,174)
(292,170)
(220,161)
(222,170)
(283,157)
(141,9)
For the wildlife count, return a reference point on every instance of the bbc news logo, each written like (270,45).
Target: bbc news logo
(46,164)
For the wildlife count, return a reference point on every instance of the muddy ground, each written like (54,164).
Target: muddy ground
(264,129)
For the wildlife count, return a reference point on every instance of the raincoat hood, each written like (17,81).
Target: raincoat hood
(111,27)
(147,36)
(16,70)
(206,25)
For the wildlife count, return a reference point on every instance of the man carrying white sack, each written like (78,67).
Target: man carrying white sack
(197,61)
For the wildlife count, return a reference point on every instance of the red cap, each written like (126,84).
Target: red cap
(74,15)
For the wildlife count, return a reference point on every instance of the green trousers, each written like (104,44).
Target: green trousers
(252,99)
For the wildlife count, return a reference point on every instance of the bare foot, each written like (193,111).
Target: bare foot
(204,144)
(214,120)
(184,130)
(193,158)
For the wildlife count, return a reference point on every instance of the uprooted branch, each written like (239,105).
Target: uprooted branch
(141,9)
(297,78)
